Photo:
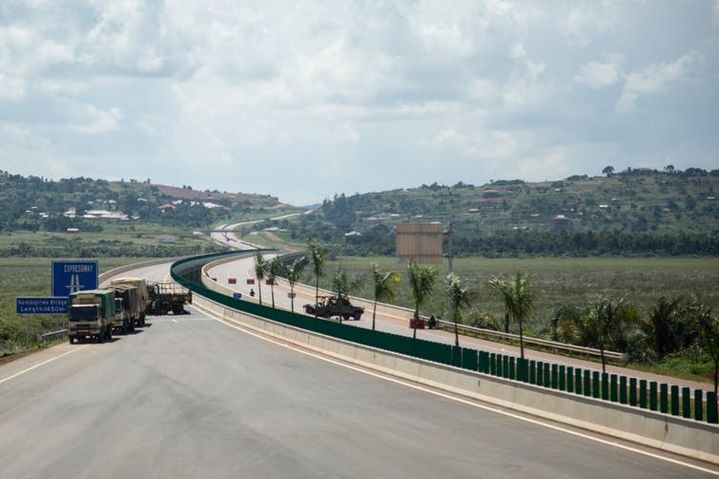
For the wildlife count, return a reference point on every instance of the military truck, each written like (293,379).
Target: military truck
(90,315)
(166,297)
(143,299)
(329,306)
(131,308)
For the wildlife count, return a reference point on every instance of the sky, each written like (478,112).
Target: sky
(305,99)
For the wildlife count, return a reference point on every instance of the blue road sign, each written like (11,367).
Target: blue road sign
(71,276)
(52,305)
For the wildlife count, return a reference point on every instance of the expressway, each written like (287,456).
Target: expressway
(393,321)
(192,396)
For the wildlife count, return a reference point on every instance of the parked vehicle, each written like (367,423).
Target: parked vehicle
(90,315)
(329,306)
(131,311)
(166,297)
(137,309)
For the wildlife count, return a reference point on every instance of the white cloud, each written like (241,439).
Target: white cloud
(600,74)
(587,21)
(655,78)
(95,121)
(11,88)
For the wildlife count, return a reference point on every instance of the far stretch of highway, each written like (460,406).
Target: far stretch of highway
(195,396)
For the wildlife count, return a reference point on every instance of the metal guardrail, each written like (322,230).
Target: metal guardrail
(538,341)
(52,334)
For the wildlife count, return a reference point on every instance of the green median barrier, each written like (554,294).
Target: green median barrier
(570,379)
(712,417)
(674,400)
(664,398)
(540,373)
(562,378)
(512,368)
(532,371)
(605,386)
(643,403)
(653,395)
(470,359)
(555,376)
(578,381)
(613,388)
(505,366)
(456,357)
(500,365)
(622,389)
(525,370)
(595,384)
(587,385)
(698,405)
(686,403)
(633,401)
(493,364)
(546,376)
(483,366)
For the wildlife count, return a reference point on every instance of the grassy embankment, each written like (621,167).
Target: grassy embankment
(566,281)
(31,277)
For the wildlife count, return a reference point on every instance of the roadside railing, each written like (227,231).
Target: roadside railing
(546,343)
(42,337)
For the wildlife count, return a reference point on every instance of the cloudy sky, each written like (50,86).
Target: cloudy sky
(302,99)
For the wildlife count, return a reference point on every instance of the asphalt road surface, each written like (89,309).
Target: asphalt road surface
(191,397)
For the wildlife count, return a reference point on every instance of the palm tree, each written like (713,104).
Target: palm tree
(460,297)
(608,170)
(343,285)
(318,256)
(709,334)
(293,273)
(421,283)
(261,269)
(518,297)
(604,321)
(384,287)
(275,268)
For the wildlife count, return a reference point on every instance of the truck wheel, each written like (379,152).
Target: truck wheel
(71,339)
(177,309)
(357,316)
(345,317)
(142,321)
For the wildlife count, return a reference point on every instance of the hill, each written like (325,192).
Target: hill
(636,212)
(95,217)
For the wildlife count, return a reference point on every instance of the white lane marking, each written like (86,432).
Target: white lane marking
(41,364)
(460,400)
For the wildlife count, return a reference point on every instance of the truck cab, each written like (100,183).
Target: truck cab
(90,315)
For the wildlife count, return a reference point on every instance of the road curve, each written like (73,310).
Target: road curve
(189,396)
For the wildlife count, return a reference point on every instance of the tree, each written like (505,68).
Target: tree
(384,287)
(661,328)
(421,283)
(275,268)
(709,334)
(293,273)
(318,255)
(608,170)
(669,169)
(343,285)
(460,297)
(518,298)
(605,323)
(261,269)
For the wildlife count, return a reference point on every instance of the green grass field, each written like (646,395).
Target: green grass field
(31,277)
(561,281)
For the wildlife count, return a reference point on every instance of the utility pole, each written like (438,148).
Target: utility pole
(451,270)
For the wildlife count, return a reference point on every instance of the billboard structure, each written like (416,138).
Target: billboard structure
(421,243)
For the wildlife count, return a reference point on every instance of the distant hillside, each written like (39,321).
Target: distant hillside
(38,204)
(640,212)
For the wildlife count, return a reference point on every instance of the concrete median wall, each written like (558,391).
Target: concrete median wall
(672,434)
